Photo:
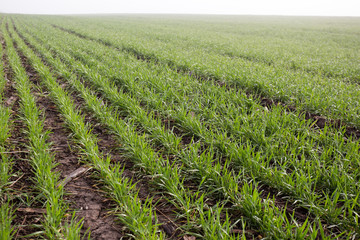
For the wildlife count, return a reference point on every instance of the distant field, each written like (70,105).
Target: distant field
(179,127)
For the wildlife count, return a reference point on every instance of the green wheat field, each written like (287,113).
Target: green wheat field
(179,127)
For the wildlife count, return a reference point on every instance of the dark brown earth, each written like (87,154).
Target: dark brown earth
(89,202)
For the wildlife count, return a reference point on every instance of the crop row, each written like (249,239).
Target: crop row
(41,160)
(6,214)
(330,97)
(169,178)
(137,216)
(210,98)
(209,150)
(301,178)
(275,41)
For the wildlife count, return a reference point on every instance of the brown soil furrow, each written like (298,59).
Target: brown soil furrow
(320,121)
(89,203)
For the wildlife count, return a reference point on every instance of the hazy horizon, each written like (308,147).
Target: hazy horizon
(345,8)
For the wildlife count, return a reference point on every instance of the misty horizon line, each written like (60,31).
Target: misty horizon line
(170,13)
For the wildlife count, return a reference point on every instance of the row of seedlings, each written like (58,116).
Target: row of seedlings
(218,39)
(324,173)
(165,175)
(329,97)
(137,216)
(7,231)
(337,133)
(323,176)
(341,181)
(199,166)
(41,158)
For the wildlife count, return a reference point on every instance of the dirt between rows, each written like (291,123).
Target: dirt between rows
(85,197)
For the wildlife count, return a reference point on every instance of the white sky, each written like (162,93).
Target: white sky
(258,7)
